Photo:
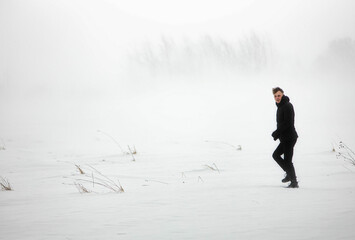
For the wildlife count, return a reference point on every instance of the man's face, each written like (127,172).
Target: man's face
(278,95)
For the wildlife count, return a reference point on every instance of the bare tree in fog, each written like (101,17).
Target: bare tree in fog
(254,52)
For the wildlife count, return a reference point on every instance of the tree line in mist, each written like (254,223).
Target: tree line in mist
(254,53)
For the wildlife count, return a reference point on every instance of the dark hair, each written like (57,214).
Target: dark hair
(276,89)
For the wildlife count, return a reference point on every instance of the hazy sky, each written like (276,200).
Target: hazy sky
(256,11)
(184,11)
(42,39)
(56,56)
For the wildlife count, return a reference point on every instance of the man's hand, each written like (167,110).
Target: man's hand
(275,135)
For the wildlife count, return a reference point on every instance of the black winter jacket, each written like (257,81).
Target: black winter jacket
(285,118)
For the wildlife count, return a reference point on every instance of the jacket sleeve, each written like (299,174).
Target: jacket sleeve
(288,120)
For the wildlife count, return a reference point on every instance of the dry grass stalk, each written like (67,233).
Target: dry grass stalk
(81,188)
(80,170)
(120,186)
(149,180)
(239,148)
(113,139)
(348,155)
(130,151)
(5,185)
(213,168)
(216,167)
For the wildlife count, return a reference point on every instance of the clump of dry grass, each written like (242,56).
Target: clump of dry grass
(96,178)
(346,153)
(133,150)
(5,184)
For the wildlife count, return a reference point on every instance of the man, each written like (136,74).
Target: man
(286,133)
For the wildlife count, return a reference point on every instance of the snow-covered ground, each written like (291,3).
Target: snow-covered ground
(190,89)
(174,194)
(188,180)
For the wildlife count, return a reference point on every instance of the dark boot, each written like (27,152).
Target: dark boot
(293,184)
(286,179)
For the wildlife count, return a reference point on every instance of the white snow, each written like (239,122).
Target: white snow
(170,192)
(173,195)
(68,96)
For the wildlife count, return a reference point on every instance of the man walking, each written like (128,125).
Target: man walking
(286,133)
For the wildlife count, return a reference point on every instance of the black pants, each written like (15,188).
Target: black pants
(286,148)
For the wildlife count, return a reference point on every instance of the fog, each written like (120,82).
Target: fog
(165,71)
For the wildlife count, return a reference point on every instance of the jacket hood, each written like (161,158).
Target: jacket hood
(284,100)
